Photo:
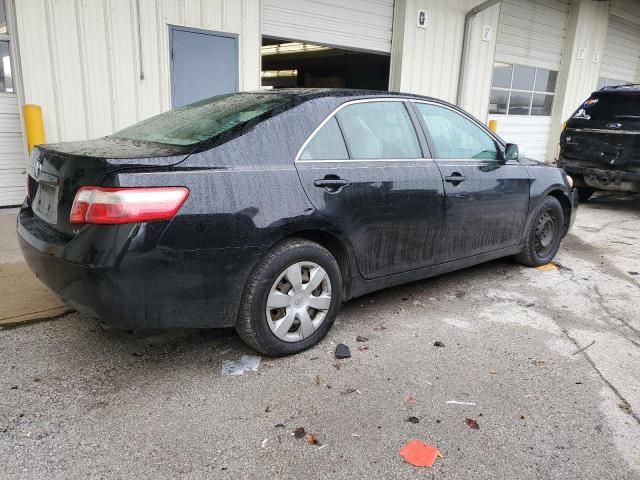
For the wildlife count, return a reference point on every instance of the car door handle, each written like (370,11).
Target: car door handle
(331,184)
(455,178)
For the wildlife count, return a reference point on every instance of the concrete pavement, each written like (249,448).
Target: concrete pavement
(23,298)
(78,402)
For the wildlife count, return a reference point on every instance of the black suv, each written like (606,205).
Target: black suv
(600,144)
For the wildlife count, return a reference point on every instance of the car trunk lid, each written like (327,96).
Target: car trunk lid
(59,170)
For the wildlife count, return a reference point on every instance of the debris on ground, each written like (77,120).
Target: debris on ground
(624,405)
(539,363)
(419,454)
(413,420)
(299,432)
(633,273)
(380,327)
(342,351)
(410,399)
(247,363)
(311,439)
(583,348)
(363,348)
(264,443)
(438,344)
(456,402)
(337,365)
(350,390)
(547,267)
(318,380)
(471,423)
(360,338)
(493,371)
(279,425)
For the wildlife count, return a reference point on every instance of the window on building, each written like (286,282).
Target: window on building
(377,130)
(609,82)
(455,136)
(3,18)
(522,90)
(327,144)
(6,78)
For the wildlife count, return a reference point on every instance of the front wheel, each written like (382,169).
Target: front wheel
(545,233)
(291,298)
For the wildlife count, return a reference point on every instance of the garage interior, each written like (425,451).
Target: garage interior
(287,64)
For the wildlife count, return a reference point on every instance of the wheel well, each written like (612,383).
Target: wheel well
(336,248)
(566,207)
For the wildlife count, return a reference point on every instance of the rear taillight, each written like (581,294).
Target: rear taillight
(108,206)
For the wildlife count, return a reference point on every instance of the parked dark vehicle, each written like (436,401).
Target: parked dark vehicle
(600,144)
(264,211)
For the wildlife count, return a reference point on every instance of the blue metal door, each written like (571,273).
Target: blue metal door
(203,64)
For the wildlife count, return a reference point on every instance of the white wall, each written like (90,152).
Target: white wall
(81,63)
(427,61)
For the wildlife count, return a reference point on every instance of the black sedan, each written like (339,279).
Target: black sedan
(264,211)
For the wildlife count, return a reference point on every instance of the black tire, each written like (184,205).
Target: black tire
(542,244)
(252,324)
(584,193)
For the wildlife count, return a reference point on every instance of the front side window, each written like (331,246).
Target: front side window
(379,130)
(456,136)
(206,119)
(326,144)
(522,90)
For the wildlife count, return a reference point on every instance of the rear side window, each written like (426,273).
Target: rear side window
(326,144)
(206,119)
(608,108)
(455,136)
(379,130)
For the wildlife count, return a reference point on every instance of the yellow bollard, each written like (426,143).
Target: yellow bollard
(493,125)
(33,125)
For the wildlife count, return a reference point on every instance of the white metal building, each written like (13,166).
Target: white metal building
(95,66)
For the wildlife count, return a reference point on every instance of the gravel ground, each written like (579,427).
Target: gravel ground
(78,402)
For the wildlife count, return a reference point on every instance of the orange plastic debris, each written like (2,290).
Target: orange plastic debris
(419,454)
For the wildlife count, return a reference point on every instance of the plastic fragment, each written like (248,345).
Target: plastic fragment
(419,454)
(456,402)
(247,363)
(342,351)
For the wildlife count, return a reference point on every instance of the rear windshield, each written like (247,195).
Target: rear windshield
(204,120)
(607,108)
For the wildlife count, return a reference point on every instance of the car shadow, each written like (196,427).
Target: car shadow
(625,202)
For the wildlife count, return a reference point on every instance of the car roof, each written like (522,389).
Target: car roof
(311,93)
(628,88)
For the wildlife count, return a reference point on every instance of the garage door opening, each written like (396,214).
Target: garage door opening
(290,64)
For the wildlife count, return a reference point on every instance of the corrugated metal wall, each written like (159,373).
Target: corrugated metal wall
(621,56)
(358,24)
(427,61)
(81,63)
(532,32)
(12,152)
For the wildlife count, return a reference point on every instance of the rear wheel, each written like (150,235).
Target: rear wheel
(291,299)
(545,233)
(584,193)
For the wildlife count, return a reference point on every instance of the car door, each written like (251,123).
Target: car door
(364,170)
(486,197)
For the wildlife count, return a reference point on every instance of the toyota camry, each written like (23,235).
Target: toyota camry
(264,211)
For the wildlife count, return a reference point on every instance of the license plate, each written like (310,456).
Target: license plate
(45,203)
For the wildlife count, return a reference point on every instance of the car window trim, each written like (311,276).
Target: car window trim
(500,144)
(402,100)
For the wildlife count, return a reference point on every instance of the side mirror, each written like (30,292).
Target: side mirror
(511,152)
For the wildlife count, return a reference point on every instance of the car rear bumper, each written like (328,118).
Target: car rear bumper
(600,179)
(140,288)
